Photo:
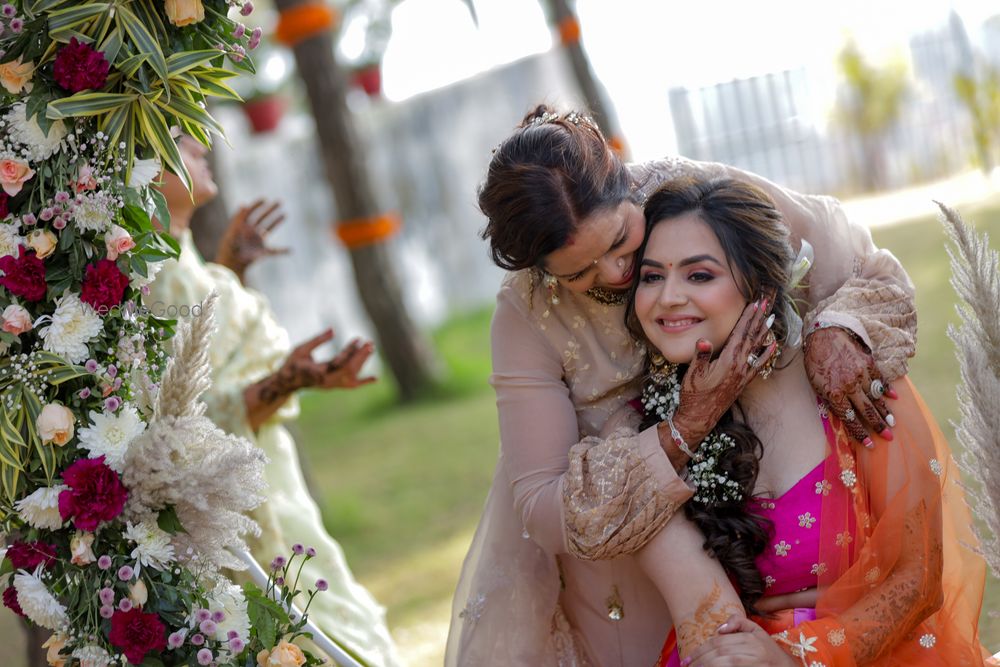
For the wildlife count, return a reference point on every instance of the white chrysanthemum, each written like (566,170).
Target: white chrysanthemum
(109,435)
(143,172)
(138,282)
(41,508)
(38,604)
(92,212)
(228,598)
(92,656)
(70,328)
(152,545)
(10,240)
(27,132)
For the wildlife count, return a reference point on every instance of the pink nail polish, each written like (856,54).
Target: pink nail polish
(867,442)
(685,662)
(891,393)
(886,434)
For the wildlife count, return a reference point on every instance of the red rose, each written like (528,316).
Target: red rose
(95,494)
(24,275)
(10,600)
(78,66)
(4,208)
(29,555)
(137,633)
(103,285)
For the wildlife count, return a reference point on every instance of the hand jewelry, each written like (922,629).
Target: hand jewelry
(849,415)
(877,389)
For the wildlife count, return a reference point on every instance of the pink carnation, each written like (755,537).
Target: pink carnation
(78,66)
(95,494)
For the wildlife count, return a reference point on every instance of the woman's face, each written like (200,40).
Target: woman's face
(602,252)
(686,289)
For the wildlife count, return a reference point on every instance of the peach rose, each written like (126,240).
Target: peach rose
(79,546)
(53,645)
(184,12)
(15,76)
(117,241)
(43,242)
(16,319)
(55,424)
(13,174)
(285,654)
(138,593)
(85,179)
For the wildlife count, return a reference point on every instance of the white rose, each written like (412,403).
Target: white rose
(55,424)
(43,242)
(79,546)
(137,593)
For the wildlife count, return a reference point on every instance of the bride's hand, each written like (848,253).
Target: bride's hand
(711,386)
(740,643)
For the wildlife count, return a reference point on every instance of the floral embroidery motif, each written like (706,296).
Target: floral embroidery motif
(782,548)
(837,637)
(844,538)
(936,467)
(872,575)
(801,648)
(806,520)
(818,569)
(816,663)
(928,640)
(473,609)
(848,478)
(823,488)
(769,581)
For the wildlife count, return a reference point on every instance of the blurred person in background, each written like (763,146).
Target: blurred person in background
(559,571)
(255,376)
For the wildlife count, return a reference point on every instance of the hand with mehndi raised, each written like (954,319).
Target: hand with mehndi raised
(843,372)
(245,239)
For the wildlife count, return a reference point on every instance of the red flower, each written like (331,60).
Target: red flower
(103,285)
(24,275)
(10,600)
(95,494)
(28,555)
(79,67)
(137,633)
(4,208)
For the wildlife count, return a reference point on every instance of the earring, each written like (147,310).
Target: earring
(551,283)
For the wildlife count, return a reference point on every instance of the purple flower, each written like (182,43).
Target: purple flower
(255,38)
(104,562)
(112,403)
(298,549)
(8,10)
(62,197)
(107,611)
(236,645)
(59,223)
(247,8)
(47,213)
(280,581)
(117,384)
(17,25)
(205,657)
(311,552)
(125,572)
(239,30)
(106,595)
(112,371)
(29,219)
(208,627)
(218,616)
(322,585)
(125,604)
(232,634)
(91,365)
(85,393)
(176,639)
(278,562)
(202,615)
(197,639)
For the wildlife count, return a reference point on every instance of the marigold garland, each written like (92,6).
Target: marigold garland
(569,30)
(299,23)
(367,231)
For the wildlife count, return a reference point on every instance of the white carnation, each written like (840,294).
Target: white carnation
(92,212)
(38,604)
(10,240)
(109,435)
(27,132)
(40,509)
(70,328)
(138,282)
(152,545)
(143,172)
(92,656)
(228,598)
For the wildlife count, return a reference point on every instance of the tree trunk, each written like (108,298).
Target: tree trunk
(209,221)
(593,93)
(34,637)
(405,349)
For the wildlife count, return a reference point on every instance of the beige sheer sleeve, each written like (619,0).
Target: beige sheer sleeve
(853,284)
(595,498)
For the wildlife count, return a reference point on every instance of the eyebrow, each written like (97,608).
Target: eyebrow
(684,262)
(618,237)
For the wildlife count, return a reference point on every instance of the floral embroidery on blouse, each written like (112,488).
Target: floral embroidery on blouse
(823,487)
(872,575)
(806,520)
(782,548)
(837,637)
(936,467)
(848,478)
(844,538)
(928,640)
(818,569)
(769,581)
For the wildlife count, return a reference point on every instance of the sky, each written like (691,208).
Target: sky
(641,48)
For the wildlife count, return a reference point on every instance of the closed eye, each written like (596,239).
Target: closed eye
(701,277)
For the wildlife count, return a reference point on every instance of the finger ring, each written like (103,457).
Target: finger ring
(752,360)
(877,389)
(849,415)
(766,373)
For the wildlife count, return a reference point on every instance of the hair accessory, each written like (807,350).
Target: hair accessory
(551,284)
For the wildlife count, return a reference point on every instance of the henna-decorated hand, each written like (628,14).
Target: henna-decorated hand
(341,371)
(740,643)
(710,386)
(843,372)
(245,239)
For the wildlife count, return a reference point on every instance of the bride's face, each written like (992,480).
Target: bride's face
(602,252)
(686,289)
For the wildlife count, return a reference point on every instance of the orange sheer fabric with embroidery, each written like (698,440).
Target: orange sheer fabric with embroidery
(900,583)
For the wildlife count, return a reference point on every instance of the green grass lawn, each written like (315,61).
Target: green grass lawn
(402,487)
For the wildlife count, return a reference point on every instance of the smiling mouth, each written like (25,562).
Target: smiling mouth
(677,325)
